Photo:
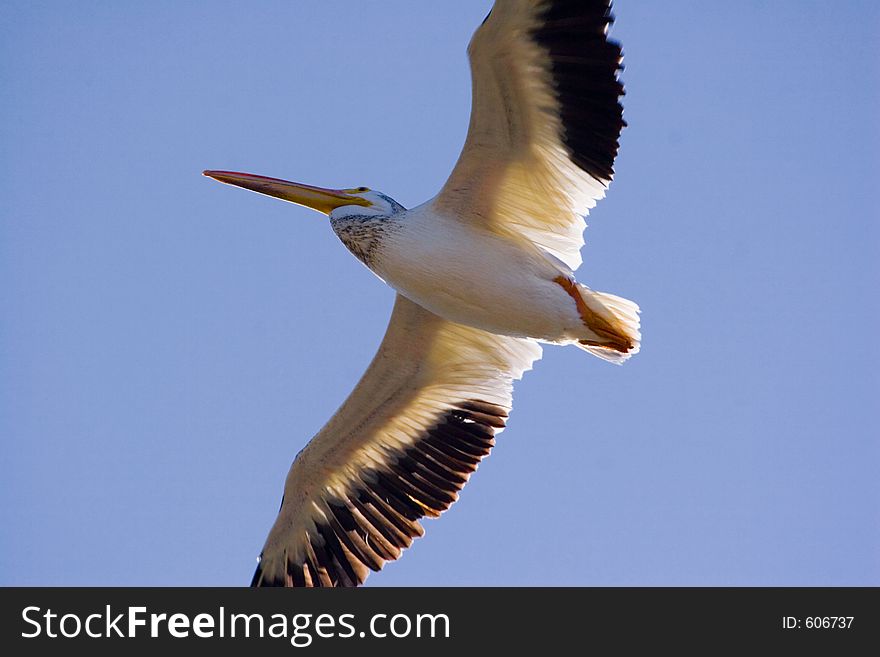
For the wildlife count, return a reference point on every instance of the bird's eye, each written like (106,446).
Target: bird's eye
(363,189)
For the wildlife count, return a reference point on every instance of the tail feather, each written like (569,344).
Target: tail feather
(623,316)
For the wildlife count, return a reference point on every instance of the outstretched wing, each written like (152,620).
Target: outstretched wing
(401,447)
(545,122)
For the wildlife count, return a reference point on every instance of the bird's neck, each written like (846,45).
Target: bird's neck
(363,235)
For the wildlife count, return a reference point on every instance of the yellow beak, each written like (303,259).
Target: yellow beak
(317,198)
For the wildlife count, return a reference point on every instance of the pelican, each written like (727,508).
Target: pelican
(484,273)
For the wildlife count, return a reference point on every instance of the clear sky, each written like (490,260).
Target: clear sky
(168,344)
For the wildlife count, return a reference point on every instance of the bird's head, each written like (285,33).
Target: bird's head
(335,203)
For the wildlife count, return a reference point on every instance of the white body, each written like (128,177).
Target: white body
(478,278)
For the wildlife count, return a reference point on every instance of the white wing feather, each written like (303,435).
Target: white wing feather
(400,447)
(544,124)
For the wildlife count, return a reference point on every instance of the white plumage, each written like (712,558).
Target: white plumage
(483,272)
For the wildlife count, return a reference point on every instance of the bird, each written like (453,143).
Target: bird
(484,276)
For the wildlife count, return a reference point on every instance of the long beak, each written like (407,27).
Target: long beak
(317,198)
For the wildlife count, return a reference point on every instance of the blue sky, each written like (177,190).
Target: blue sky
(168,344)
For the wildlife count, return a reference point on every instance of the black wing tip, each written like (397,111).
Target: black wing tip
(380,517)
(584,65)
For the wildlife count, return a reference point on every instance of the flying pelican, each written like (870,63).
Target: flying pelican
(483,274)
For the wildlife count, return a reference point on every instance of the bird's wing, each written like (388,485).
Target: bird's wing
(401,447)
(545,122)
